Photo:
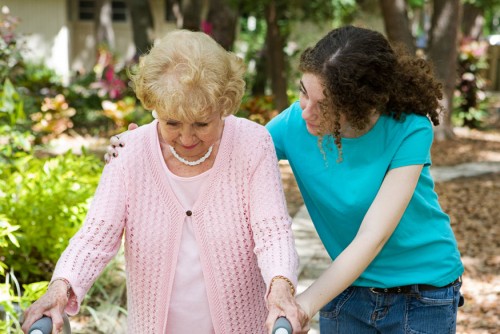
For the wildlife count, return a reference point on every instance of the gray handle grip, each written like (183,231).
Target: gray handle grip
(41,326)
(44,326)
(282,326)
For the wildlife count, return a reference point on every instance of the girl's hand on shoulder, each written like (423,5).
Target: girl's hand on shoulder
(51,304)
(281,302)
(115,143)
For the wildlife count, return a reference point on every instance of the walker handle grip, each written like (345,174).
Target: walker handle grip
(44,326)
(41,326)
(282,326)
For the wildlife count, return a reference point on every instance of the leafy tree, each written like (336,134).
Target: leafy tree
(441,48)
(452,23)
(278,16)
(479,17)
(221,21)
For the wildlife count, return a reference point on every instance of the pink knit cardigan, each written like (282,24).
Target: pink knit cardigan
(240,221)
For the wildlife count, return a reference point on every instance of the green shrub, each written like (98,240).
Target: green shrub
(12,303)
(11,300)
(7,237)
(48,198)
(11,104)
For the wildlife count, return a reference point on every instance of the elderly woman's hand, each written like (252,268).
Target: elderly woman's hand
(51,304)
(281,303)
(114,143)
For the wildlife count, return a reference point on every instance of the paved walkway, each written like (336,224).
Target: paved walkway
(314,258)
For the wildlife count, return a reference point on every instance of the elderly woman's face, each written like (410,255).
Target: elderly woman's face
(191,140)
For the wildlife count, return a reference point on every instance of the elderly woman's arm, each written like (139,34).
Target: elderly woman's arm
(88,252)
(281,302)
(273,236)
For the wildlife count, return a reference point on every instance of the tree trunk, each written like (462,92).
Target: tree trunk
(260,80)
(174,12)
(222,19)
(142,25)
(443,53)
(276,57)
(397,25)
(103,24)
(472,21)
(191,14)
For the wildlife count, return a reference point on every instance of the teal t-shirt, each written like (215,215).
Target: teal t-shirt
(423,248)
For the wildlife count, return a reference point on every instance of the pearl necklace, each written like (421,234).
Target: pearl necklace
(191,163)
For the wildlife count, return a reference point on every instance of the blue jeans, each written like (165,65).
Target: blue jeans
(359,310)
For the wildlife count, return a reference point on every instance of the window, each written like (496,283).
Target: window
(87,10)
(119,11)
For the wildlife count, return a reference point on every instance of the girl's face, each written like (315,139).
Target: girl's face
(311,93)
(191,140)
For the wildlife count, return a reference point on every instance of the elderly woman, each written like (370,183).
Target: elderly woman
(197,196)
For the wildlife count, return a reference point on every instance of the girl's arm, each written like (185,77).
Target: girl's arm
(376,228)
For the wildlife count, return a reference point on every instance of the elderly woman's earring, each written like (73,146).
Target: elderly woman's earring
(155,114)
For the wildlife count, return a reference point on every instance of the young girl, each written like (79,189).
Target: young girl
(359,142)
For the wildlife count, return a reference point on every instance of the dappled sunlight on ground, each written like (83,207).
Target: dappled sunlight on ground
(480,314)
(468,146)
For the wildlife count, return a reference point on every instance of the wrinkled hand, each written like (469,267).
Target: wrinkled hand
(114,143)
(51,304)
(282,303)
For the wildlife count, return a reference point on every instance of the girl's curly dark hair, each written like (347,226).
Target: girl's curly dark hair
(362,72)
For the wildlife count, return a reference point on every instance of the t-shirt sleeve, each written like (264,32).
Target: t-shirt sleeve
(416,145)
(277,127)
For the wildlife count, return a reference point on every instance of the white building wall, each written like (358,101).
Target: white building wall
(44,24)
(161,27)
(56,36)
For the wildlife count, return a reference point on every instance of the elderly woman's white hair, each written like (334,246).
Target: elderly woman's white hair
(188,75)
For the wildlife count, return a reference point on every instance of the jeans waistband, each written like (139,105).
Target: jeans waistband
(413,287)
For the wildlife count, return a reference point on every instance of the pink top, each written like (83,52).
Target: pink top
(189,311)
(240,220)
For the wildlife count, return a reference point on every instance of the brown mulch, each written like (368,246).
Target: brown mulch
(473,204)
